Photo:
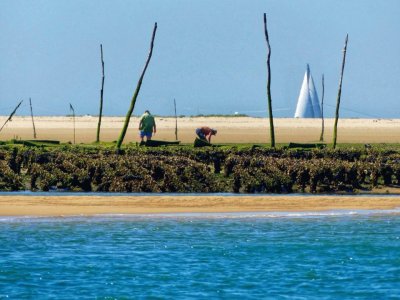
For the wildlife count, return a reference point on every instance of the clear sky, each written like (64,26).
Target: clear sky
(209,55)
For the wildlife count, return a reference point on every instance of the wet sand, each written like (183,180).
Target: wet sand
(230,129)
(93,205)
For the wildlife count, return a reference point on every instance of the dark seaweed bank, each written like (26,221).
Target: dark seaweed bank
(202,170)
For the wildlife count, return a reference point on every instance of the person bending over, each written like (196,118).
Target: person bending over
(147,126)
(205,133)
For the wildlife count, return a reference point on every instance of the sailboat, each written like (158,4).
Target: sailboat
(308,102)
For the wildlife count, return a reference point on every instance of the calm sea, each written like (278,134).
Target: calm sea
(333,255)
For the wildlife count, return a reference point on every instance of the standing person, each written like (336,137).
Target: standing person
(147,126)
(204,132)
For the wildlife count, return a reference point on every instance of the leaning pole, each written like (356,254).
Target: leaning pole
(176,122)
(73,117)
(134,97)
(101,96)
(339,93)
(271,118)
(321,138)
(33,122)
(11,115)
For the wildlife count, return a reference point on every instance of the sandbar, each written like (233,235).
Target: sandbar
(18,205)
(230,129)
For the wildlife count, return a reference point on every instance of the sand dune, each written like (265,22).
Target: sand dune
(230,130)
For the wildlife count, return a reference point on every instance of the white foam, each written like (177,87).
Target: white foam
(242,215)
(208,215)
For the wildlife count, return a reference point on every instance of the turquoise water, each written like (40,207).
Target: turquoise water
(234,256)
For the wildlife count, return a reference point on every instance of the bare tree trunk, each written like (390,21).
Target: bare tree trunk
(321,138)
(339,93)
(176,122)
(139,84)
(73,118)
(11,115)
(33,122)
(101,96)
(271,118)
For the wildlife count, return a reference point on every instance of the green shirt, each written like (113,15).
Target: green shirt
(147,123)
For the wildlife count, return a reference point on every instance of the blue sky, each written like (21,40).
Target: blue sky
(209,55)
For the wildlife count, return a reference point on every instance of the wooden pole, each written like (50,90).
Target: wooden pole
(11,115)
(271,118)
(176,122)
(101,96)
(33,122)
(73,117)
(321,138)
(134,97)
(339,93)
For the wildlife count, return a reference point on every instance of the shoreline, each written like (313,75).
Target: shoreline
(97,205)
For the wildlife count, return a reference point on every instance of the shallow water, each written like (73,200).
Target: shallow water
(330,255)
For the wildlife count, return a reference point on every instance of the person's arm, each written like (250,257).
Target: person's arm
(154,127)
(140,124)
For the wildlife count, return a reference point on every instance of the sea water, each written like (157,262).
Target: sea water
(333,255)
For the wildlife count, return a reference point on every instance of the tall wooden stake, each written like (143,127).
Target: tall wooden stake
(11,115)
(176,122)
(134,97)
(321,138)
(33,122)
(73,117)
(339,93)
(101,96)
(271,118)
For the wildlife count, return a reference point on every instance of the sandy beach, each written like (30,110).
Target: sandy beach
(92,205)
(230,129)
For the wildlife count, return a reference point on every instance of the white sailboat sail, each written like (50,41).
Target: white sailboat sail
(308,102)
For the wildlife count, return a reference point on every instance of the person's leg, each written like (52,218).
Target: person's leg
(148,136)
(141,134)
